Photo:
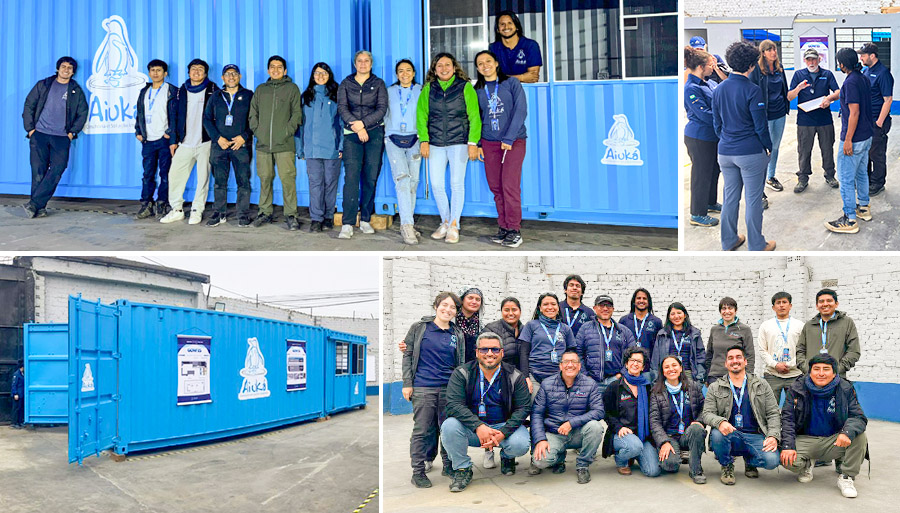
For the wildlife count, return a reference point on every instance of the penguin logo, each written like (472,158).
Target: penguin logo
(621,146)
(87,379)
(255,384)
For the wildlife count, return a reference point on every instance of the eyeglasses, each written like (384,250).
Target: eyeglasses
(231,74)
(635,360)
(320,73)
(492,350)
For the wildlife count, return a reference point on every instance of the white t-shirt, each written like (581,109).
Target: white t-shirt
(193,136)
(771,345)
(156,116)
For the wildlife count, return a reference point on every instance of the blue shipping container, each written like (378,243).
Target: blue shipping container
(346,386)
(46,373)
(147,376)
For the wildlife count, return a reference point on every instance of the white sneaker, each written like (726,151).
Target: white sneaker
(806,475)
(196,217)
(346,232)
(409,234)
(366,228)
(845,483)
(441,232)
(172,216)
(489,459)
(452,235)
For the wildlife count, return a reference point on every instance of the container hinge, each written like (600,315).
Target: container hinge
(118,313)
(117,356)
(117,397)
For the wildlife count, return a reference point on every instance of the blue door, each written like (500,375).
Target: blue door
(46,373)
(93,378)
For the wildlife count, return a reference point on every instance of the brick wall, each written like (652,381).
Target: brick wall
(410,285)
(703,8)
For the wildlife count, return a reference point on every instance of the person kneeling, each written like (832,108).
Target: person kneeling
(487,400)
(822,420)
(566,415)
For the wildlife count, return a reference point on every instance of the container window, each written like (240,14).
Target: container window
(359,361)
(341,365)
(854,38)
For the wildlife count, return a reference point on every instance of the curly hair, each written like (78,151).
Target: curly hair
(741,56)
(458,72)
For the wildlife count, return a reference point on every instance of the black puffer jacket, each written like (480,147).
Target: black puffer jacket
(796,412)
(76,106)
(661,410)
(515,352)
(367,102)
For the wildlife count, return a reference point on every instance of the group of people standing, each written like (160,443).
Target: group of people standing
(654,383)
(448,121)
(735,126)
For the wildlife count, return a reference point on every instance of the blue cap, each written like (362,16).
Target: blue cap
(229,67)
(697,42)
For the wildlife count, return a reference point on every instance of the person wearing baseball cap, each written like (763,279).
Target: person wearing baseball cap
(809,83)
(721,70)
(882,83)
(601,343)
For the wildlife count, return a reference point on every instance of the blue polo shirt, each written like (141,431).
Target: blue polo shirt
(492,400)
(739,117)
(749,421)
(882,83)
(698,105)
(517,60)
(856,89)
(575,318)
(683,338)
(777,100)
(437,357)
(539,360)
(647,337)
(822,84)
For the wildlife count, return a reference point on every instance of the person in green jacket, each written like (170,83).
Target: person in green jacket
(830,331)
(724,334)
(275,114)
(449,124)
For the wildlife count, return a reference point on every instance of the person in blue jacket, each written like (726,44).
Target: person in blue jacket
(152,130)
(807,84)
(700,137)
(573,311)
(680,338)
(770,77)
(739,119)
(17,391)
(503,107)
(549,338)
(227,121)
(402,144)
(642,323)
(319,140)
(566,415)
(602,344)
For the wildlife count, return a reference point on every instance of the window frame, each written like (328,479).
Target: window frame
(342,366)
(857,43)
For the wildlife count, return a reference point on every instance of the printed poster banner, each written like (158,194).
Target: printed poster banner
(255,384)
(193,369)
(296,365)
(819,44)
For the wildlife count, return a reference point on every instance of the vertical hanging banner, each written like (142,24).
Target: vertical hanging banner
(255,384)
(296,365)
(193,369)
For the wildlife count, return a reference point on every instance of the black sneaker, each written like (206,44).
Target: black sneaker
(698,478)
(328,224)
(513,239)
(751,471)
(559,468)
(875,191)
(447,471)
(832,182)
(41,213)
(315,226)
(216,219)
(461,479)
(30,211)
(507,466)
(774,184)
(765,203)
(501,234)
(162,208)
(584,475)
(292,223)
(716,207)
(145,211)
(244,221)
(843,224)
(262,219)
(801,186)
(421,480)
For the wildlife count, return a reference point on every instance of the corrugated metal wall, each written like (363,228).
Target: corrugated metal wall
(46,373)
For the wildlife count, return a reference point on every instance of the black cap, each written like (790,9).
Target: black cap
(230,67)
(870,48)
(603,298)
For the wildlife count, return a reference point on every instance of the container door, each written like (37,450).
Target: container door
(330,373)
(93,378)
(46,373)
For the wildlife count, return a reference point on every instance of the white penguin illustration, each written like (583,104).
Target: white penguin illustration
(115,57)
(254,363)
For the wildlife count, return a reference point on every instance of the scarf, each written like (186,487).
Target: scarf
(673,390)
(548,322)
(196,88)
(469,326)
(822,392)
(643,404)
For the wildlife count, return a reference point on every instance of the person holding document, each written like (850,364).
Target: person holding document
(814,120)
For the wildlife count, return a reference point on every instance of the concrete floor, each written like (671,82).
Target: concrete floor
(608,491)
(91,225)
(796,221)
(314,466)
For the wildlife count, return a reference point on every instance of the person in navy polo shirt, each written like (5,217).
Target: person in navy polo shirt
(519,56)
(739,119)
(856,139)
(601,344)
(882,96)
(642,323)
(700,137)
(807,84)
(573,312)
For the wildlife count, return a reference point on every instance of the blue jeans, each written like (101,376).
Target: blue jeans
(742,171)
(776,130)
(586,439)
(457,439)
(630,446)
(457,156)
(738,443)
(323,182)
(405,164)
(853,175)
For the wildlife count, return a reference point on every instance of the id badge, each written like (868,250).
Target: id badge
(482,411)
(823,351)
(786,355)
(609,355)
(495,124)
(738,420)
(229,120)
(681,428)
(148,118)
(554,357)
(403,127)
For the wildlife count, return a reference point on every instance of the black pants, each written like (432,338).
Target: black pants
(704,174)
(805,138)
(221,162)
(49,159)
(878,154)
(429,404)
(18,410)
(362,164)
(155,155)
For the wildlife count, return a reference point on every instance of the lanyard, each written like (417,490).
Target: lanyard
(404,104)
(675,340)
(824,328)
(785,331)
(602,331)
(493,99)
(228,103)
(679,406)
(738,400)
(574,319)
(152,97)
(490,383)
(641,328)
(555,336)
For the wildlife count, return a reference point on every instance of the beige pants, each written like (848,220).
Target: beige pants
(182,163)
(287,172)
(811,448)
